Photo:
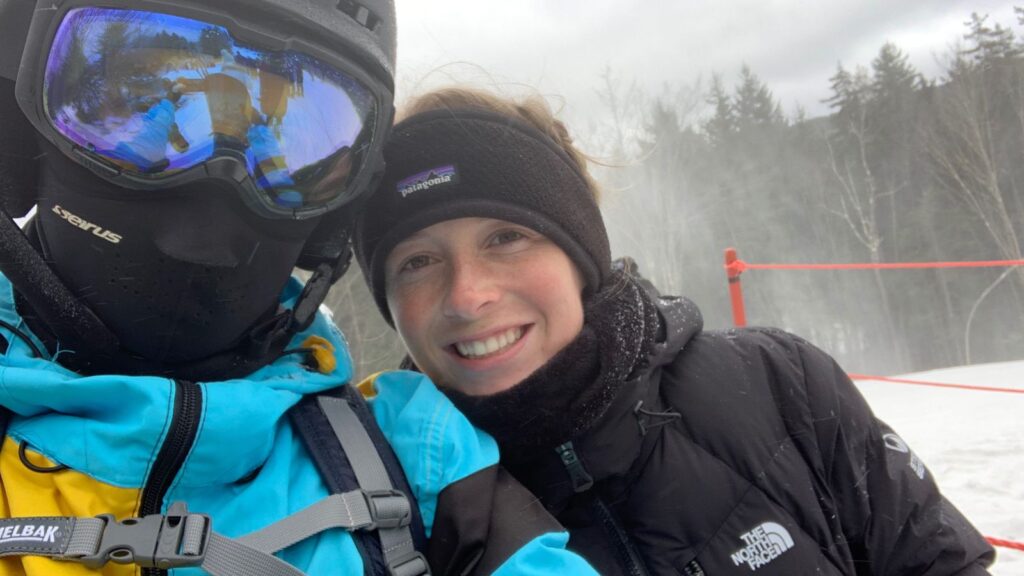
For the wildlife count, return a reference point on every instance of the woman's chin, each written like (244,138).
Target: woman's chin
(490,388)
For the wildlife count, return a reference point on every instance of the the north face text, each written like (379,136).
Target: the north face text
(763,544)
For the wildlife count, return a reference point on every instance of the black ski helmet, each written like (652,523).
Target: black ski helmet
(364,32)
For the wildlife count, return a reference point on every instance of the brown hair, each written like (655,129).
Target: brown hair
(533,109)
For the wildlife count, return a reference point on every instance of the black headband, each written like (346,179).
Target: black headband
(447,164)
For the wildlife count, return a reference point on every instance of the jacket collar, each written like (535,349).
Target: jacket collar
(627,431)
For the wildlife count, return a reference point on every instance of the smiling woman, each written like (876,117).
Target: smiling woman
(663,449)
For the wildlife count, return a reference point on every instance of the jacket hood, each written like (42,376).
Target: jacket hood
(681,320)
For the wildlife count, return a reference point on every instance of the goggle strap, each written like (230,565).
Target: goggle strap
(313,295)
(279,329)
(275,332)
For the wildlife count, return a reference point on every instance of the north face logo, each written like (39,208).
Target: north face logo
(763,544)
(895,443)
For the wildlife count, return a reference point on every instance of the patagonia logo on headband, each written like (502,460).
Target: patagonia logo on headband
(428,179)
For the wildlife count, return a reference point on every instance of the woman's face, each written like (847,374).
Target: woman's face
(482,303)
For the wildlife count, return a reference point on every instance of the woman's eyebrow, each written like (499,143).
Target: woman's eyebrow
(417,235)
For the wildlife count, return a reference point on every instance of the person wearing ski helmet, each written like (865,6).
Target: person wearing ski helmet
(663,448)
(171,397)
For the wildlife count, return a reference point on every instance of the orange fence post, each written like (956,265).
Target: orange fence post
(733,269)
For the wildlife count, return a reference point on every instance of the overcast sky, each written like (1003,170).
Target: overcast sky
(561,47)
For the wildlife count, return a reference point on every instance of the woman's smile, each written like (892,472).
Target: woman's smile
(490,346)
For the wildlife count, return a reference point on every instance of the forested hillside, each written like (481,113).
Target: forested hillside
(905,168)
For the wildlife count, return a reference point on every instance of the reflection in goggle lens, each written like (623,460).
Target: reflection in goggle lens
(157,94)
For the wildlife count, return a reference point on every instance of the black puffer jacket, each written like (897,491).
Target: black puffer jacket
(747,451)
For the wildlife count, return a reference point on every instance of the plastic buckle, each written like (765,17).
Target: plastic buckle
(153,541)
(388,509)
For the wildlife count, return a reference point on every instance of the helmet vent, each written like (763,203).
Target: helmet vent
(359,13)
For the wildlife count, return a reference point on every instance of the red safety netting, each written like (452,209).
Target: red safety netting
(1005,543)
(738,266)
(937,384)
(734,268)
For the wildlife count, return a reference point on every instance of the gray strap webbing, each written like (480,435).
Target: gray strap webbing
(349,511)
(85,536)
(151,542)
(227,557)
(395,542)
(180,539)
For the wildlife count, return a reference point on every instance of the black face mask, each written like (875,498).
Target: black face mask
(177,275)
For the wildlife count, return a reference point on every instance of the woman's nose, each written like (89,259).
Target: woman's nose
(472,288)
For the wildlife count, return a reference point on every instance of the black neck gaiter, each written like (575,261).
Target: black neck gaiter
(177,275)
(564,398)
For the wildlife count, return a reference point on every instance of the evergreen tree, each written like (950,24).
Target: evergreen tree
(989,45)
(850,92)
(722,124)
(841,84)
(893,138)
(894,77)
(754,104)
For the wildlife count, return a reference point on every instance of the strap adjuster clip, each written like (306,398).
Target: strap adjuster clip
(388,509)
(414,565)
(177,539)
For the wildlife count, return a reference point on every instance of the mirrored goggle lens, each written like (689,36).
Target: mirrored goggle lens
(157,94)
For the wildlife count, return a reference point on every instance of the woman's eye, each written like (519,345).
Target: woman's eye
(415,263)
(506,237)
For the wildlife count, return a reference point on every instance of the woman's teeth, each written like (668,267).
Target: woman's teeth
(492,345)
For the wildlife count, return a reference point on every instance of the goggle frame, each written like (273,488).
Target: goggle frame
(29,92)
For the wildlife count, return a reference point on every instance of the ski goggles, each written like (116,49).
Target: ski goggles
(152,100)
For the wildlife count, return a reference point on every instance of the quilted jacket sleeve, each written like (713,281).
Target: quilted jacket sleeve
(891,511)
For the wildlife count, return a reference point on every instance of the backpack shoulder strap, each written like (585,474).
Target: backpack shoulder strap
(351,453)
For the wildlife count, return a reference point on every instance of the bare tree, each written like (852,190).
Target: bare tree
(963,145)
(858,198)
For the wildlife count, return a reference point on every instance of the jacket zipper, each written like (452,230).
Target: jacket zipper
(628,555)
(188,401)
(693,569)
(583,481)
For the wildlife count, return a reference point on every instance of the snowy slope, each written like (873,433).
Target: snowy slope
(972,441)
